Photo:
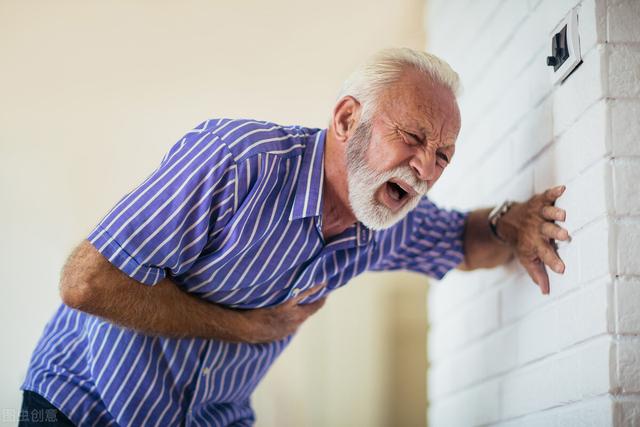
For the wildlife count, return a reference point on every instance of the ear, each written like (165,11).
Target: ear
(346,115)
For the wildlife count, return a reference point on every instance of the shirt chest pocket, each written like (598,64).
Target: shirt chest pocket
(246,263)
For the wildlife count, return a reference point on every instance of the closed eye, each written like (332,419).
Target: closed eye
(443,160)
(416,139)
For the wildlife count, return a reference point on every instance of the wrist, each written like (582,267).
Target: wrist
(507,225)
(495,219)
(226,324)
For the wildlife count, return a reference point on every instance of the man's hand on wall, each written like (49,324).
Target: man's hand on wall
(531,230)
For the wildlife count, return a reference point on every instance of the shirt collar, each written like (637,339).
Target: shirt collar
(308,196)
(308,199)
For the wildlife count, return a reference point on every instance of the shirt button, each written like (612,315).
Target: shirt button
(205,371)
(295,292)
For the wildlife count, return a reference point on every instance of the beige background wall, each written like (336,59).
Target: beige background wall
(91,96)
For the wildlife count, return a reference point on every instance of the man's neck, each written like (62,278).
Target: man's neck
(336,210)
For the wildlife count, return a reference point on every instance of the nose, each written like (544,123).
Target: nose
(423,164)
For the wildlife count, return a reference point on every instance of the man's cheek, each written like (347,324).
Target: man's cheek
(434,180)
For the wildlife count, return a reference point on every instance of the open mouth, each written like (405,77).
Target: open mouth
(396,193)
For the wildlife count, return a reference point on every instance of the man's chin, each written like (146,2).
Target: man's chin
(382,217)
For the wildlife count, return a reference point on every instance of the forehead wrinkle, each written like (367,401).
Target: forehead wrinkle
(422,111)
(433,114)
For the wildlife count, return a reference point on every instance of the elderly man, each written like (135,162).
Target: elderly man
(188,289)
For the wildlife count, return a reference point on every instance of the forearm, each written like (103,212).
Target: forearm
(481,248)
(165,310)
(162,309)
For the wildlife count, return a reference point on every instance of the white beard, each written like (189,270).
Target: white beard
(364,181)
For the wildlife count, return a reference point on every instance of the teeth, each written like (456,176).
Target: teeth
(395,194)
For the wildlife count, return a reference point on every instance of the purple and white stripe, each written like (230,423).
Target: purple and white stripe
(233,215)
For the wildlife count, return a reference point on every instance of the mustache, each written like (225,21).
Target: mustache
(406,174)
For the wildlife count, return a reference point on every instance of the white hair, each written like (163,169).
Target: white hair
(384,68)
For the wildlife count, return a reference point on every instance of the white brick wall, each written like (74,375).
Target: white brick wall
(501,353)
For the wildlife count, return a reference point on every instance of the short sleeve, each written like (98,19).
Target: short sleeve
(163,225)
(429,240)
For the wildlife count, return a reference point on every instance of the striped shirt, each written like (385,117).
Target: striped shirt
(233,215)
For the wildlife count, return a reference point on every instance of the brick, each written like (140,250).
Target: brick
(595,256)
(494,81)
(625,127)
(627,243)
(627,411)
(476,15)
(627,296)
(445,297)
(441,40)
(519,188)
(529,390)
(594,412)
(624,71)
(578,91)
(474,363)
(459,287)
(473,406)
(596,182)
(545,170)
(500,165)
(585,373)
(626,186)
(537,334)
(627,366)
(537,79)
(584,142)
(469,322)
(533,4)
(584,314)
(560,324)
(569,377)
(520,296)
(497,30)
(551,13)
(514,105)
(533,134)
(592,23)
(622,19)
(587,137)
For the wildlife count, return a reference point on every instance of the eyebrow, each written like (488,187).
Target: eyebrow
(426,134)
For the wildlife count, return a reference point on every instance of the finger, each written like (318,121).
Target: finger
(553,193)
(307,293)
(539,275)
(553,231)
(553,213)
(309,309)
(550,257)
